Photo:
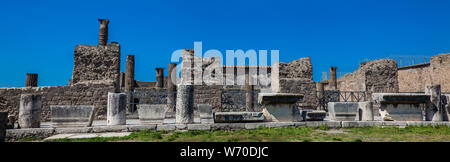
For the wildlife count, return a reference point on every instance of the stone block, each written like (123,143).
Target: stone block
(165,127)
(30,111)
(279,124)
(228,126)
(329,124)
(73,130)
(16,134)
(365,111)
(254,125)
(199,127)
(236,117)
(152,113)
(116,109)
(112,128)
(355,124)
(312,115)
(343,111)
(71,115)
(137,128)
(279,107)
(402,112)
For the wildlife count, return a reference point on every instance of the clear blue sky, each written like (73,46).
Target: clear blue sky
(40,36)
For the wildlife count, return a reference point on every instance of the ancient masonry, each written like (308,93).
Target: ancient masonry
(96,75)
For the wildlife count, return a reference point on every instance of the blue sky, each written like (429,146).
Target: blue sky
(40,36)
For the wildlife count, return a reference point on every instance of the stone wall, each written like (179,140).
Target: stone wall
(378,76)
(440,71)
(414,78)
(295,77)
(96,64)
(90,94)
(234,99)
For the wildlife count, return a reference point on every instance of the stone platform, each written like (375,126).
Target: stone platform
(133,126)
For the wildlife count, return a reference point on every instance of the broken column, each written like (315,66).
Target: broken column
(129,82)
(185,104)
(30,110)
(333,80)
(31,80)
(249,92)
(171,88)
(320,96)
(434,111)
(160,77)
(365,111)
(3,121)
(122,79)
(116,109)
(103,34)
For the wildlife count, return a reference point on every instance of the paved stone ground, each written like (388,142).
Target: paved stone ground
(88,135)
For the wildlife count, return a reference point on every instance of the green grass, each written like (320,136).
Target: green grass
(301,134)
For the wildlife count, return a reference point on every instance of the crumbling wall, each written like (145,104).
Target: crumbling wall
(295,77)
(414,78)
(90,94)
(96,64)
(372,77)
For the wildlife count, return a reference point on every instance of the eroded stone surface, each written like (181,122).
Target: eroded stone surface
(71,115)
(233,117)
(152,113)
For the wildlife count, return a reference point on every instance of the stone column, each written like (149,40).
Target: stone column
(320,95)
(333,80)
(160,77)
(171,88)
(116,109)
(30,110)
(31,80)
(103,34)
(249,92)
(185,104)
(434,111)
(122,79)
(3,121)
(129,81)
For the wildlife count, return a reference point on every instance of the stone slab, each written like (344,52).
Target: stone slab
(137,128)
(407,98)
(199,127)
(71,115)
(343,111)
(276,98)
(152,113)
(402,112)
(313,115)
(236,117)
(356,124)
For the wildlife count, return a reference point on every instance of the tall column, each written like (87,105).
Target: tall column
(103,34)
(129,82)
(30,111)
(185,104)
(333,80)
(31,80)
(320,95)
(171,88)
(249,91)
(159,77)
(122,79)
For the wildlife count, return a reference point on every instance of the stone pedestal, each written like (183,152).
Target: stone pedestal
(30,111)
(401,106)
(279,107)
(343,111)
(185,104)
(152,113)
(72,115)
(116,109)
(3,121)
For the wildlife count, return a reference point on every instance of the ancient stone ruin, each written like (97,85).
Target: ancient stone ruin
(378,91)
